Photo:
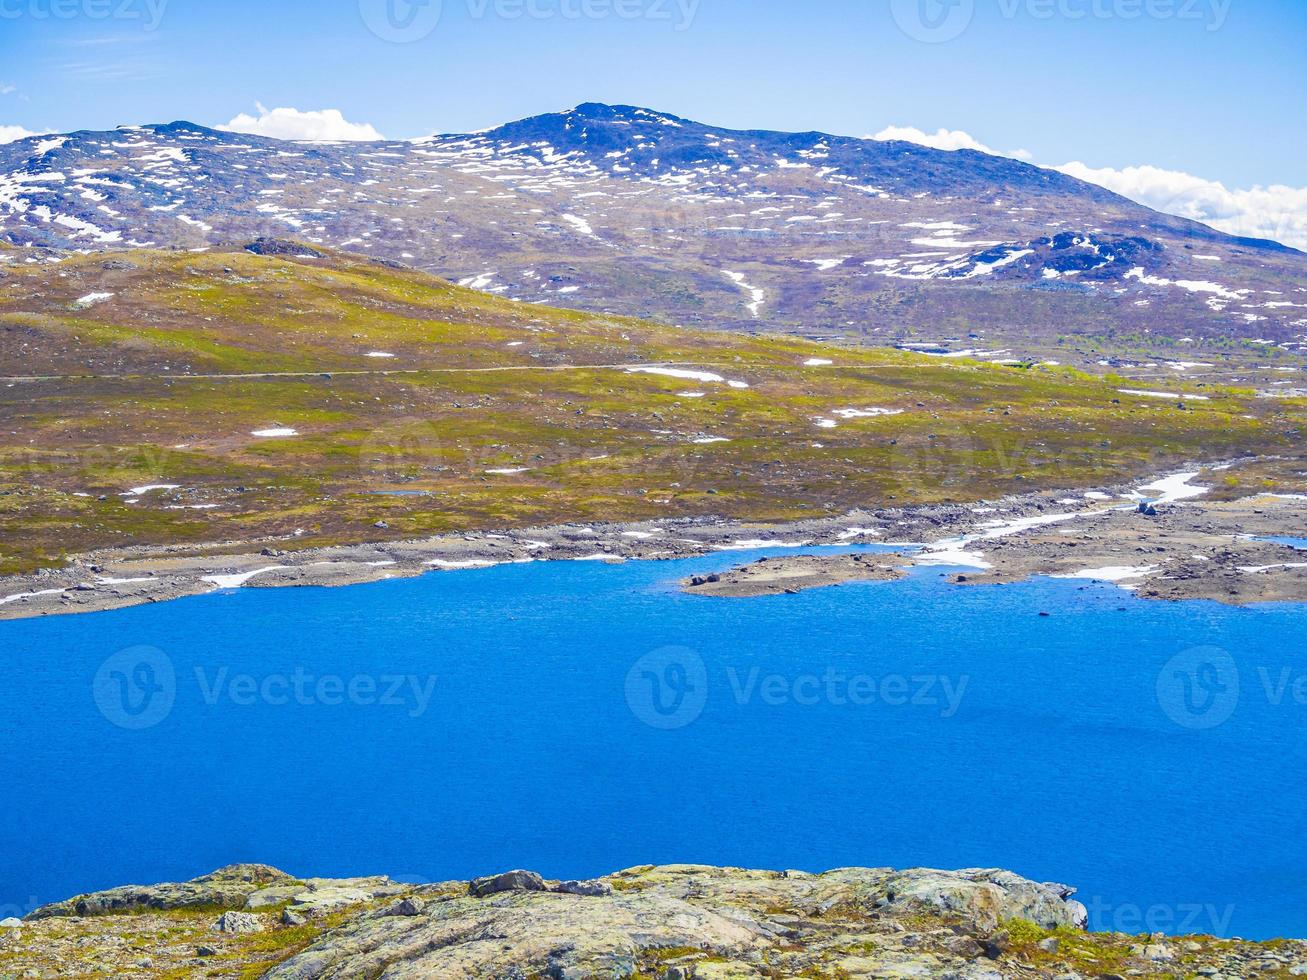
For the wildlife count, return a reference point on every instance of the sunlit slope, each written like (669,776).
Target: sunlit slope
(159,368)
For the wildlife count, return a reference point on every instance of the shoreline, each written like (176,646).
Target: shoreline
(1189,548)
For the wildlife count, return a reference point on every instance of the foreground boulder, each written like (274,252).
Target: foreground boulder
(511,881)
(238,922)
(702,918)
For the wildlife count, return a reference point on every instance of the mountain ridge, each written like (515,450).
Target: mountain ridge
(620,209)
(605,112)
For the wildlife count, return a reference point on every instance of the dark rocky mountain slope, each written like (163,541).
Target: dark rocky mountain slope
(616,208)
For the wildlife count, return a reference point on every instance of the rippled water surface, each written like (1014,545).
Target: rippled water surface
(577,718)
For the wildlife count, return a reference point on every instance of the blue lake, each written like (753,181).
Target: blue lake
(1299,543)
(578,718)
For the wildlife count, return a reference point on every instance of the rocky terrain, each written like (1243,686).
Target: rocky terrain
(788,575)
(1241,551)
(1193,535)
(618,208)
(234,401)
(649,923)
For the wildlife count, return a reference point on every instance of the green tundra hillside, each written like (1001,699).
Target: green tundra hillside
(224,396)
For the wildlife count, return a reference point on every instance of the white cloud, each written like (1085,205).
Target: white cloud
(9,134)
(294,124)
(8,89)
(1276,212)
(945,139)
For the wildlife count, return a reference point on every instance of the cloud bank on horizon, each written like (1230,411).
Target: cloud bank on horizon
(946,139)
(12,134)
(316,125)
(1276,212)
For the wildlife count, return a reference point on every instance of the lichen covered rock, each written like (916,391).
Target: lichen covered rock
(226,888)
(702,922)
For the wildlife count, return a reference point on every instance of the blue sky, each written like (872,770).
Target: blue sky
(1215,88)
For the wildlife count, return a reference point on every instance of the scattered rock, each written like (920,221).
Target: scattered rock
(589,889)
(407,907)
(238,923)
(996,944)
(793,573)
(278,246)
(510,881)
(1158,952)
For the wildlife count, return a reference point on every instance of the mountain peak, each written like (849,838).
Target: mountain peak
(629,113)
(183,127)
(827,233)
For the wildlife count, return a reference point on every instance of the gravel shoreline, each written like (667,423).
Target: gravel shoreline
(1189,548)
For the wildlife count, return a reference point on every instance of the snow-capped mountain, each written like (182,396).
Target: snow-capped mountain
(628,210)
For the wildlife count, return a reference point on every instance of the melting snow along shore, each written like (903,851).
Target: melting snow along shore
(1193,548)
